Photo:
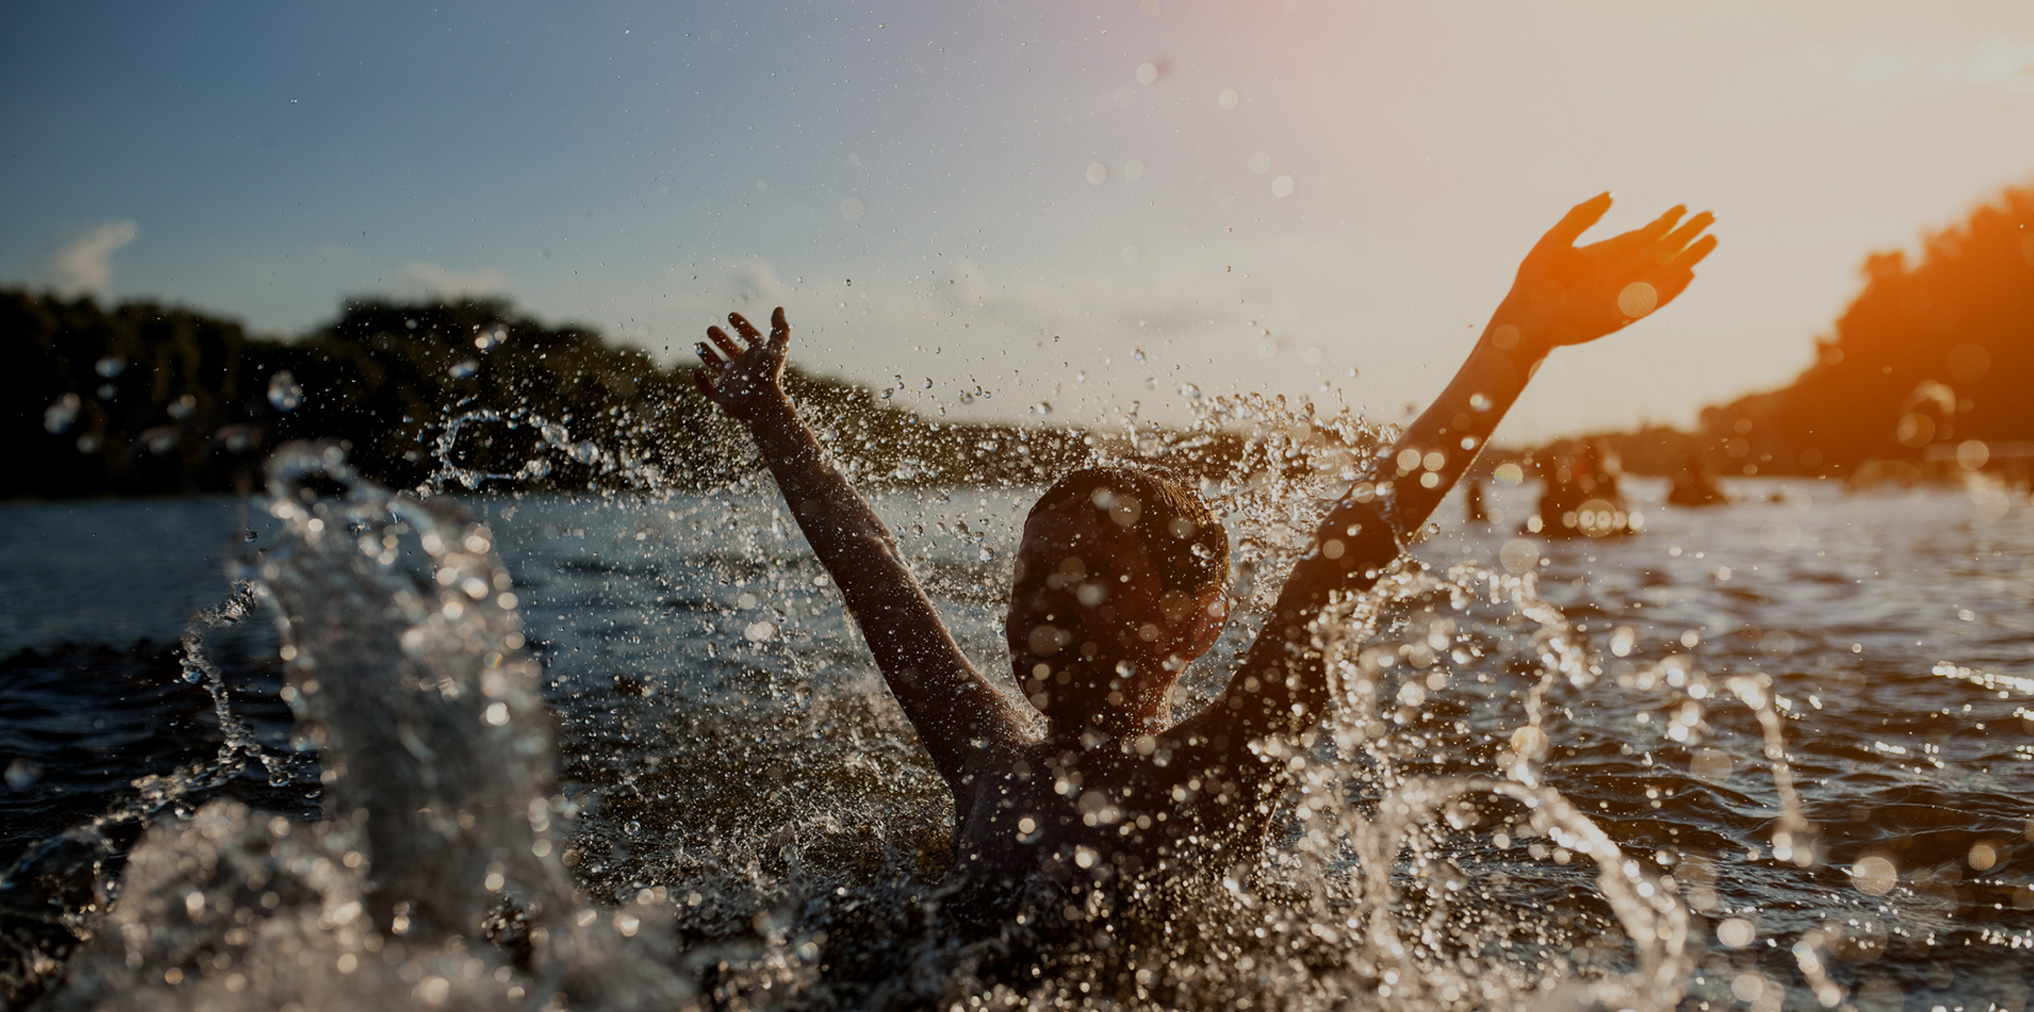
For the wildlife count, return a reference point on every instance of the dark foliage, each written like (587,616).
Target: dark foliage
(1932,352)
(147,399)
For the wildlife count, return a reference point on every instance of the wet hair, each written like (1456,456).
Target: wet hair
(1178,532)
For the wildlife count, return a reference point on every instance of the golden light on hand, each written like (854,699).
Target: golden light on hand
(1637,300)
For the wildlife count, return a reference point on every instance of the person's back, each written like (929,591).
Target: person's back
(1120,582)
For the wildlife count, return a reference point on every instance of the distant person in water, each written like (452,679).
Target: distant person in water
(1695,483)
(1089,785)
(1473,510)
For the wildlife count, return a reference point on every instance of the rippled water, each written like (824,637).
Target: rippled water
(748,822)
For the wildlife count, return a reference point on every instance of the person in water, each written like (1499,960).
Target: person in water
(1120,582)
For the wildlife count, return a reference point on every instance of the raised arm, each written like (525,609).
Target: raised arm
(1564,294)
(946,699)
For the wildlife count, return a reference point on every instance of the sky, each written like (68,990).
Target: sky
(1075,210)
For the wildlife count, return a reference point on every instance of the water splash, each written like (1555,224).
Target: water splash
(433,881)
(56,894)
(772,837)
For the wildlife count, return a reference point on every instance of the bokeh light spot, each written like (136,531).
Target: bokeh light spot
(1874,875)
(1638,299)
(1711,765)
(1983,856)
(1968,363)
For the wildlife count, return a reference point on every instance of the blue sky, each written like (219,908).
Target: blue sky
(1087,205)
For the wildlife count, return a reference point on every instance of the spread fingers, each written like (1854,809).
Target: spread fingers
(780,330)
(726,344)
(1688,258)
(1677,241)
(1575,222)
(1662,224)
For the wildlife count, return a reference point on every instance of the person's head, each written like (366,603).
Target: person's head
(1120,581)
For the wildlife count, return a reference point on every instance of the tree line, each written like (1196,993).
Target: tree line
(1935,351)
(143,398)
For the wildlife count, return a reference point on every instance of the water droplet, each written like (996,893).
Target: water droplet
(23,773)
(61,413)
(1098,173)
(1519,556)
(852,208)
(283,391)
(110,366)
(1133,170)
(1147,73)
(1736,933)
(1260,162)
(465,369)
(1637,299)
(1282,186)
(1228,98)
(1874,875)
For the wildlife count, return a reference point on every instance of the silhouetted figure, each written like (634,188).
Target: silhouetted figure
(1695,484)
(1581,497)
(1093,792)
(1472,504)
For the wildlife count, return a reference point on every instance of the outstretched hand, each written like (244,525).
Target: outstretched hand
(740,377)
(1568,294)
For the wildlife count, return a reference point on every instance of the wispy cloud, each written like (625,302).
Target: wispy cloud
(2000,62)
(419,277)
(1994,62)
(85,265)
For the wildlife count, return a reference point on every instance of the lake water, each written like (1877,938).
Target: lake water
(1804,723)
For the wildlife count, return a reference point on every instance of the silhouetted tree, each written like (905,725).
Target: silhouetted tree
(467,395)
(1954,326)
